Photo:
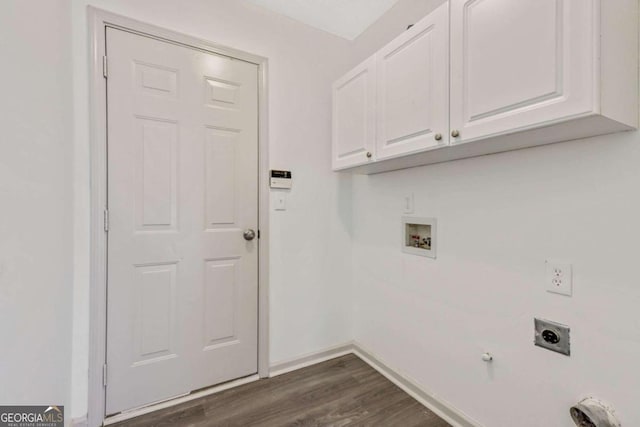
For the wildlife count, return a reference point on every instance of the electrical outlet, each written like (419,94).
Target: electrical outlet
(558,278)
(552,336)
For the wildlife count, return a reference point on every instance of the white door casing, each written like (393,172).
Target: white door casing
(413,88)
(182,188)
(520,64)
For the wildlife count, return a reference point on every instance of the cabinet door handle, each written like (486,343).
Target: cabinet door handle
(455,133)
(369,154)
(438,136)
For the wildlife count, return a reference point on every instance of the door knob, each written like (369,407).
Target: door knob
(438,136)
(455,133)
(249,234)
(369,154)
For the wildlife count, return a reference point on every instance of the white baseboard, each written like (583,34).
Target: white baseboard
(438,406)
(79,422)
(178,400)
(276,369)
(282,367)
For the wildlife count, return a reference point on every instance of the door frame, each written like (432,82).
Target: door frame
(99,20)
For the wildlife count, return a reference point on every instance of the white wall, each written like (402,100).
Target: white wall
(36,202)
(499,218)
(310,244)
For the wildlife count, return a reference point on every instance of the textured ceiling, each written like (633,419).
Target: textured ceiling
(344,18)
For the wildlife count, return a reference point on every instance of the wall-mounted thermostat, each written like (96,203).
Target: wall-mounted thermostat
(280,179)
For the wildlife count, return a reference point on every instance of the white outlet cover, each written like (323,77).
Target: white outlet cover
(559,278)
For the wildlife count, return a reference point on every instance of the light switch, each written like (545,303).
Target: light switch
(407,203)
(280,201)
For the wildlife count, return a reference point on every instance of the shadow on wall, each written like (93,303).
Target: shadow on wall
(345,205)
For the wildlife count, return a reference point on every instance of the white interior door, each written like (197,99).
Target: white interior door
(413,88)
(182,188)
(519,64)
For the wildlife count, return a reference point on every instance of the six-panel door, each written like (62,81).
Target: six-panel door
(519,64)
(413,88)
(354,116)
(182,188)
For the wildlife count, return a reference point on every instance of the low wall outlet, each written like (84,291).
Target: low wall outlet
(559,278)
(552,336)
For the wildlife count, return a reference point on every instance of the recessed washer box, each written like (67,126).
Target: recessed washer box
(419,236)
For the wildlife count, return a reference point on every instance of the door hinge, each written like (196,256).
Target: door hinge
(104,66)
(104,375)
(106,220)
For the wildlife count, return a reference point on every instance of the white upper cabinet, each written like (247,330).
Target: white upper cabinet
(413,88)
(477,77)
(518,64)
(354,116)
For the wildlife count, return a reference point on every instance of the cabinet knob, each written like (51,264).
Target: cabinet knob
(455,133)
(438,136)
(369,154)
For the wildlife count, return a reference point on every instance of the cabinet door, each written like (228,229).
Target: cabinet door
(413,88)
(520,64)
(354,116)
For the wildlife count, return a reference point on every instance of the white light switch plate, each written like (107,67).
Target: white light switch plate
(559,278)
(280,201)
(407,203)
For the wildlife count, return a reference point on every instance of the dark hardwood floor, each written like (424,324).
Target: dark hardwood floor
(340,392)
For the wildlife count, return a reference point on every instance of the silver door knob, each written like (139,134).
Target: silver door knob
(438,136)
(369,154)
(455,133)
(249,234)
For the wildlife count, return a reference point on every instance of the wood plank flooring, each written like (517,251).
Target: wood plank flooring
(340,392)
